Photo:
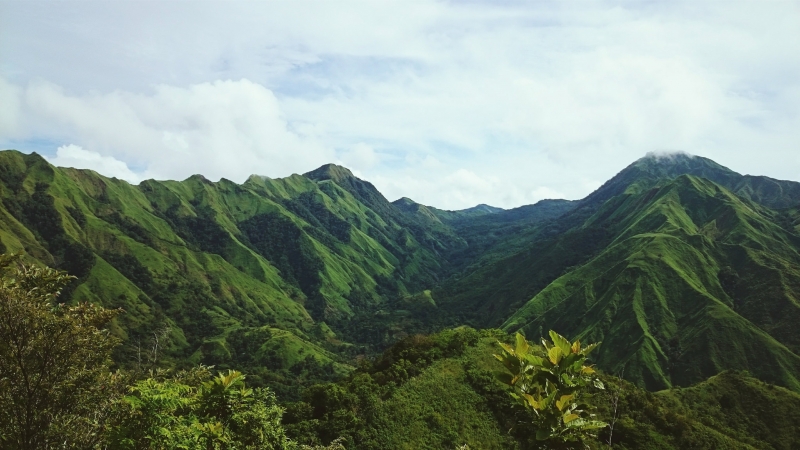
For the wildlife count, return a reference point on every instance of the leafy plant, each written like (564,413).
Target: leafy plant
(190,410)
(552,382)
(55,383)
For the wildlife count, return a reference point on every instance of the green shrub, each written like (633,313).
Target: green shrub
(552,383)
(195,410)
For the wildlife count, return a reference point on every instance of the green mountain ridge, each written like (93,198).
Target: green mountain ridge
(681,266)
(680,277)
(649,170)
(216,263)
(694,259)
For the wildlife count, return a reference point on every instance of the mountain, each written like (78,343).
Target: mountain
(439,391)
(654,167)
(680,276)
(681,266)
(266,274)
(694,280)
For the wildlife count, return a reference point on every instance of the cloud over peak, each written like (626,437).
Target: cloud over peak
(668,154)
(460,102)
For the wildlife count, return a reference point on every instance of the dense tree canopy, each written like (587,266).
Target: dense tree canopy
(55,383)
(57,389)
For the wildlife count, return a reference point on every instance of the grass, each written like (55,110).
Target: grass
(656,298)
(201,274)
(681,276)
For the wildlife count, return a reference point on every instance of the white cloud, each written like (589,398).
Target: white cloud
(668,154)
(527,96)
(430,162)
(359,157)
(221,129)
(468,181)
(544,192)
(75,156)
(9,108)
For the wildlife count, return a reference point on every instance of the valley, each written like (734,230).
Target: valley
(687,272)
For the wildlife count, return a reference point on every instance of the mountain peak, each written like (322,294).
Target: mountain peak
(407,205)
(677,163)
(483,207)
(667,156)
(404,201)
(330,172)
(199,177)
(257,178)
(645,172)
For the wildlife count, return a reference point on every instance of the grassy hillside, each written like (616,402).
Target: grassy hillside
(694,280)
(747,409)
(195,263)
(524,261)
(681,266)
(439,392)
(681,276)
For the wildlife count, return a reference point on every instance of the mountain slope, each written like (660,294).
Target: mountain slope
(683,267)
(694,280)
(204,260)
(439,391)
(653,168)
(681,276)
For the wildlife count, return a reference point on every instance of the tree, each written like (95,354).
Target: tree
(194,410)
(56,389)
(250,417)
(552,382)
(55,383)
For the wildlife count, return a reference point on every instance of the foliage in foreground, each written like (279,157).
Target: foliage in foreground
(55,384)
(552,383)
(434,391)
(57,390)
(449,398)
(195,410)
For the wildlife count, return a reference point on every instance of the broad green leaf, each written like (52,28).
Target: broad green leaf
(588,424)
(576,346)
(522,345)
(570,417)
(561,342)
(506,347)
(510,362)
(570,359)
(535,404)
(564,401)
(534,360)
(589,348)
(554,355)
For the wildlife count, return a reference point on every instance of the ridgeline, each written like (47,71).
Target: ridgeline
(687,272)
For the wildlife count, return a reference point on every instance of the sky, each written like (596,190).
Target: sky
(449,103)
